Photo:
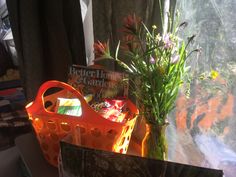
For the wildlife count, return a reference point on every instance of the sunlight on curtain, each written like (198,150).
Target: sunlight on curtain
(202,131)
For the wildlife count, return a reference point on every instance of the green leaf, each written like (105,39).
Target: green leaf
(117,50)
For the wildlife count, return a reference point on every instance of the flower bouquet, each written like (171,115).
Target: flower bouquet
(157,65)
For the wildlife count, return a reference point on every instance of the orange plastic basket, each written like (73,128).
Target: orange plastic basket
(90,129)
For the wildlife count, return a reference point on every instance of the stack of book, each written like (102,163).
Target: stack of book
(13,117)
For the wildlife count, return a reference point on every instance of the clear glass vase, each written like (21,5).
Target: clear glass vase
(154,144)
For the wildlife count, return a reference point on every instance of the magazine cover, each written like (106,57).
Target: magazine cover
(99,82)
(80,161)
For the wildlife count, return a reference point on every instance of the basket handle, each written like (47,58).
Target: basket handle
(54,83)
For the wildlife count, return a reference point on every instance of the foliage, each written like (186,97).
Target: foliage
(157,62)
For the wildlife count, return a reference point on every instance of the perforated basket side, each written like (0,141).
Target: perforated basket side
(90,129)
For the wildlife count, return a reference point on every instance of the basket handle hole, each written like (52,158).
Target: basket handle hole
(122,141)
(95,132)
(65,126)
(50,97)
(126,129)
(52,90)
(80,129)
(48,105)
(51,125)
(111,133)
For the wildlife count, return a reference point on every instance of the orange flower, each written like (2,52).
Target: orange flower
(129,43)
(132,24)
(101,49)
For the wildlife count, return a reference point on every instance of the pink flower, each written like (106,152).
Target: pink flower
(152,60)
(174,59)
(168,43)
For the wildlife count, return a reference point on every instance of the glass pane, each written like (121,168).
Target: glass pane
(203,127)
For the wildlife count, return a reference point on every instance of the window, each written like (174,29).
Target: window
(205,124)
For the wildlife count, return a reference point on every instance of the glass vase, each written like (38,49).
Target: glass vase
(154,144)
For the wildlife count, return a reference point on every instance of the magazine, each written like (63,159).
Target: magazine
(99,82)
(79,160)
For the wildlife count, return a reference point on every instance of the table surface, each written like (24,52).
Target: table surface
(32,156)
